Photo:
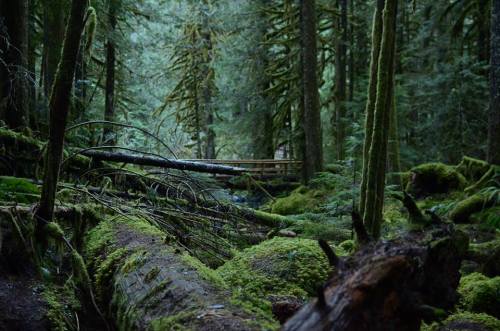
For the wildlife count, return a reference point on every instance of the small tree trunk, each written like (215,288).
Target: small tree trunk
(341,79)
(109,112)
(14,94)
(372,96)
(494,112)
(377,155)
(53,36)
(313,153)
(59,108)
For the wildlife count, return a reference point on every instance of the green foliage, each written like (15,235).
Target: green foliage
(480,294)
(301,200)
(18,190)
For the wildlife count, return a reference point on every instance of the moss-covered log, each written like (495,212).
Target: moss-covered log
(389,285)
(145,284)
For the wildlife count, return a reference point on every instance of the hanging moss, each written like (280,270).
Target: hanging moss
(432,178)
(480,294)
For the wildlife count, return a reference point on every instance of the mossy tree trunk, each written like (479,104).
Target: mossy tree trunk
(340,90)
(372,96)
(494,112)
(14,92)
(377,153)
(393,157)
(109,112)
(53,36)
(313,154)
(59,109)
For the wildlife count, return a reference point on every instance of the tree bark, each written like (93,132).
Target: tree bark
(372,96)
(148,285)
(155,161)
(108,137)
(377,155)
(388,286)
(494,112)
(313,160)
(340,91)
(59,108)
(14,77)
(53,36)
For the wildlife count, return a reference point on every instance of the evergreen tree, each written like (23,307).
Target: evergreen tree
(14,75)
(494,112)
(313,153)
(377,153)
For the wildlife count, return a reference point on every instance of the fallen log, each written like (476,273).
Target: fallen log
(143,283)
(155,161)
(389,285)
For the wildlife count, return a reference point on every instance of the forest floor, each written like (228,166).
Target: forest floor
(202,262)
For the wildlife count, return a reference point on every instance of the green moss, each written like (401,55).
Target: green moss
(135,261)
(487,255)
(20,190)
(331,230)
(11,136)
(178,322)
(301,200)
(471,321)
(80,271)
(489,217)
(432,178)
(473,204)
(152,274)
(54,231)
(105,272)
(280,266)
(480,294)
(473,169)
(61,303)
(205,272)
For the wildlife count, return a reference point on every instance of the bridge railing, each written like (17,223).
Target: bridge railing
(267,168)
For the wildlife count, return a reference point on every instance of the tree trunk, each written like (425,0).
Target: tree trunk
(145,284)
(155,161)
(341,79)
(59,108)
(393,157)
(313,161)
(494,112)
(372,97)
(377,155)
(53,36)
(109,112)
(14,91)
(389,285)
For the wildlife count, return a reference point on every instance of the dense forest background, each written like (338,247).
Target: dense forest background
(250,165)
(222,78)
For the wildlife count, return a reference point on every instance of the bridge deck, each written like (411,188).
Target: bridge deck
(261,169)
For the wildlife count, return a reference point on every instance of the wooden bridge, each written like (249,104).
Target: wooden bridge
(260,169)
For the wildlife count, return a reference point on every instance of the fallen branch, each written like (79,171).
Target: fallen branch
(155,161)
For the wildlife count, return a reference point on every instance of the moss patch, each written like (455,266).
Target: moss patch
(480,294)
(301,200)
(280,266)
(473,204)
(20,190)
(431,178)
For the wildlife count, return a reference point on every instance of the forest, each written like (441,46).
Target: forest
(212,165)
